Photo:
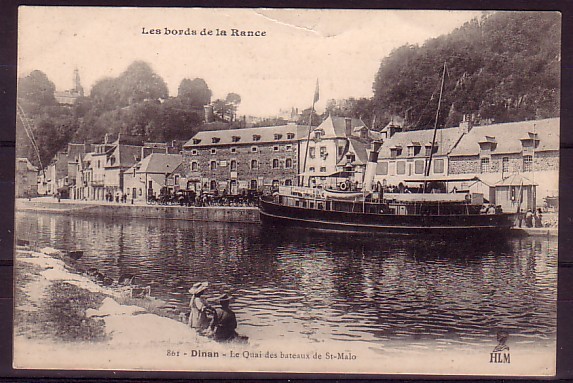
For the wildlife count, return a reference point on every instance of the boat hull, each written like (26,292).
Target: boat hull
(279,215)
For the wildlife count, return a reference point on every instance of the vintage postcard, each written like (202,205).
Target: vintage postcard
(287,190)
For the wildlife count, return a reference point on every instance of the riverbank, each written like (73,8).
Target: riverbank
(64,320)
(240,214)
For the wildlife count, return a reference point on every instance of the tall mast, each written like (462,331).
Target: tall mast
(314,100)
(30,133)
(427,173)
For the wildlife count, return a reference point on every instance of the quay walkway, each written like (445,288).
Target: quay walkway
(242,214)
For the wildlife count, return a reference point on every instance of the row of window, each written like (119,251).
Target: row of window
(419,167)
(312,169)
(312,152)
(256,137)
(253,184)
(413,151)
(486,168)
(233,164)
(254,149)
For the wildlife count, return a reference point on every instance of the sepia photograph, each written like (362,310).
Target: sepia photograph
(287,190)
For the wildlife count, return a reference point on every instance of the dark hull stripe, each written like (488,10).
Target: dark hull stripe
(372,226)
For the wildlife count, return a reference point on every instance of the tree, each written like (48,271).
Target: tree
(37,88)
(233,100)
(138,83)
(502,67)
(220,108)
(305,117)
(194,93)
(106,94)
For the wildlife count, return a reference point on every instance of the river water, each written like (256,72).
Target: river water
(322,287)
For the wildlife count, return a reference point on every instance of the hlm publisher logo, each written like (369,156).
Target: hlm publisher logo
(500,353)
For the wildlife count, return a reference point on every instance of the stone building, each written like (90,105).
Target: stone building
(237,160)
(496,152)
(337,143)
(56,175)
(150,175)
(26,179)
(75,154)
(69,97)
(121,158)
(405,154)
(94,171)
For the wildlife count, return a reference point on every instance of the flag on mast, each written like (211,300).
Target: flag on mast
(316,93)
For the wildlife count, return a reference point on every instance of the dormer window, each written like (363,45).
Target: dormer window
(414,149)
(487,144)
(395,151)
(290,136)
(196,141)
(278,136)
(350,157)
(256,137)
(235,138)
(317,135)
(428,148)
(215,139)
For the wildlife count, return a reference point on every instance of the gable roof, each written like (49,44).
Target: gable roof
(126,155)
(159,163)
(446,139)
(508,137)
(515,179)
(245,136)
(77,151)
(335,127)
(360,150)
(29,165)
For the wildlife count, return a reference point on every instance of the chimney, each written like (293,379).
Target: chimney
(208,113)
(467,123)
(348,126)
(371,165)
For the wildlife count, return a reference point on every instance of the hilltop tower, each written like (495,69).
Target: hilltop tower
(78,89)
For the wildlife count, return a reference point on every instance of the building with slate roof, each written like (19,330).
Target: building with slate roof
(495,152)
(405,154)
(26,180)
(150,175)
(337,143)
(236,160)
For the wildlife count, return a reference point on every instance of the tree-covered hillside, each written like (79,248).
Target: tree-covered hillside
(504,67)
(135,104)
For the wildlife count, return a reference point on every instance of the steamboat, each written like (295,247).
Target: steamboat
(398,213)
(372,208)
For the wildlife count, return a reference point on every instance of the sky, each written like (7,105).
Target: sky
(340,48)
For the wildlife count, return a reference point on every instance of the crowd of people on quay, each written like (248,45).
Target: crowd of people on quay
(202,198)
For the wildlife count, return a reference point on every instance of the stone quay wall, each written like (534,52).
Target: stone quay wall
(213,214)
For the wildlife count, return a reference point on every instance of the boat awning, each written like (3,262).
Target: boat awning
(451,178)
(425,197)
(340,174)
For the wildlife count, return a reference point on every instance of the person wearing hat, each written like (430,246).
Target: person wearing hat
(198,318)
(224,321)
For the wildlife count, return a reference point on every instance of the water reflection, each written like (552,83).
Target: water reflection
(328,286)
